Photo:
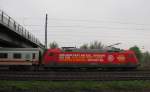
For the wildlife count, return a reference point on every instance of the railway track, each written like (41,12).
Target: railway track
(63,76)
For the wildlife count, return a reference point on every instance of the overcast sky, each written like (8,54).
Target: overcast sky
(74,22)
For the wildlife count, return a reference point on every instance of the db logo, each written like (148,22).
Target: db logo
(110,58)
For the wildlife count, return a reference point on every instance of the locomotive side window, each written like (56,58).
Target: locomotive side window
(3,55)
(17,55)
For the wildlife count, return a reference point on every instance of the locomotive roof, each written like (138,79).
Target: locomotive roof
(89,50)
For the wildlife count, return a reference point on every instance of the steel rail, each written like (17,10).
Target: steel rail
(58,75)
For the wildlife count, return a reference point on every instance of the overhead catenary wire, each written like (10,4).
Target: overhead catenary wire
(85,20)
(63,30)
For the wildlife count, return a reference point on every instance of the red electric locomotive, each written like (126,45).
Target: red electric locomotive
(89,58)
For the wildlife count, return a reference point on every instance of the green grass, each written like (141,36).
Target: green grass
(73,85)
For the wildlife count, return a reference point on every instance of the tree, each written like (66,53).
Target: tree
(53,45)
(146,56)
(137,52)
(145,60)
(96,45)
(84,46)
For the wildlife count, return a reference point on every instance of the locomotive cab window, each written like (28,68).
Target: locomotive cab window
(17,55)
(51,54)
(131,56)
(3,55)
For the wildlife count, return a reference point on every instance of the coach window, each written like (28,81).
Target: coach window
(3,55)
(17,56)
(33,55)
(28,56)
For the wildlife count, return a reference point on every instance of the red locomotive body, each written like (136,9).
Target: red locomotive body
(89,58)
